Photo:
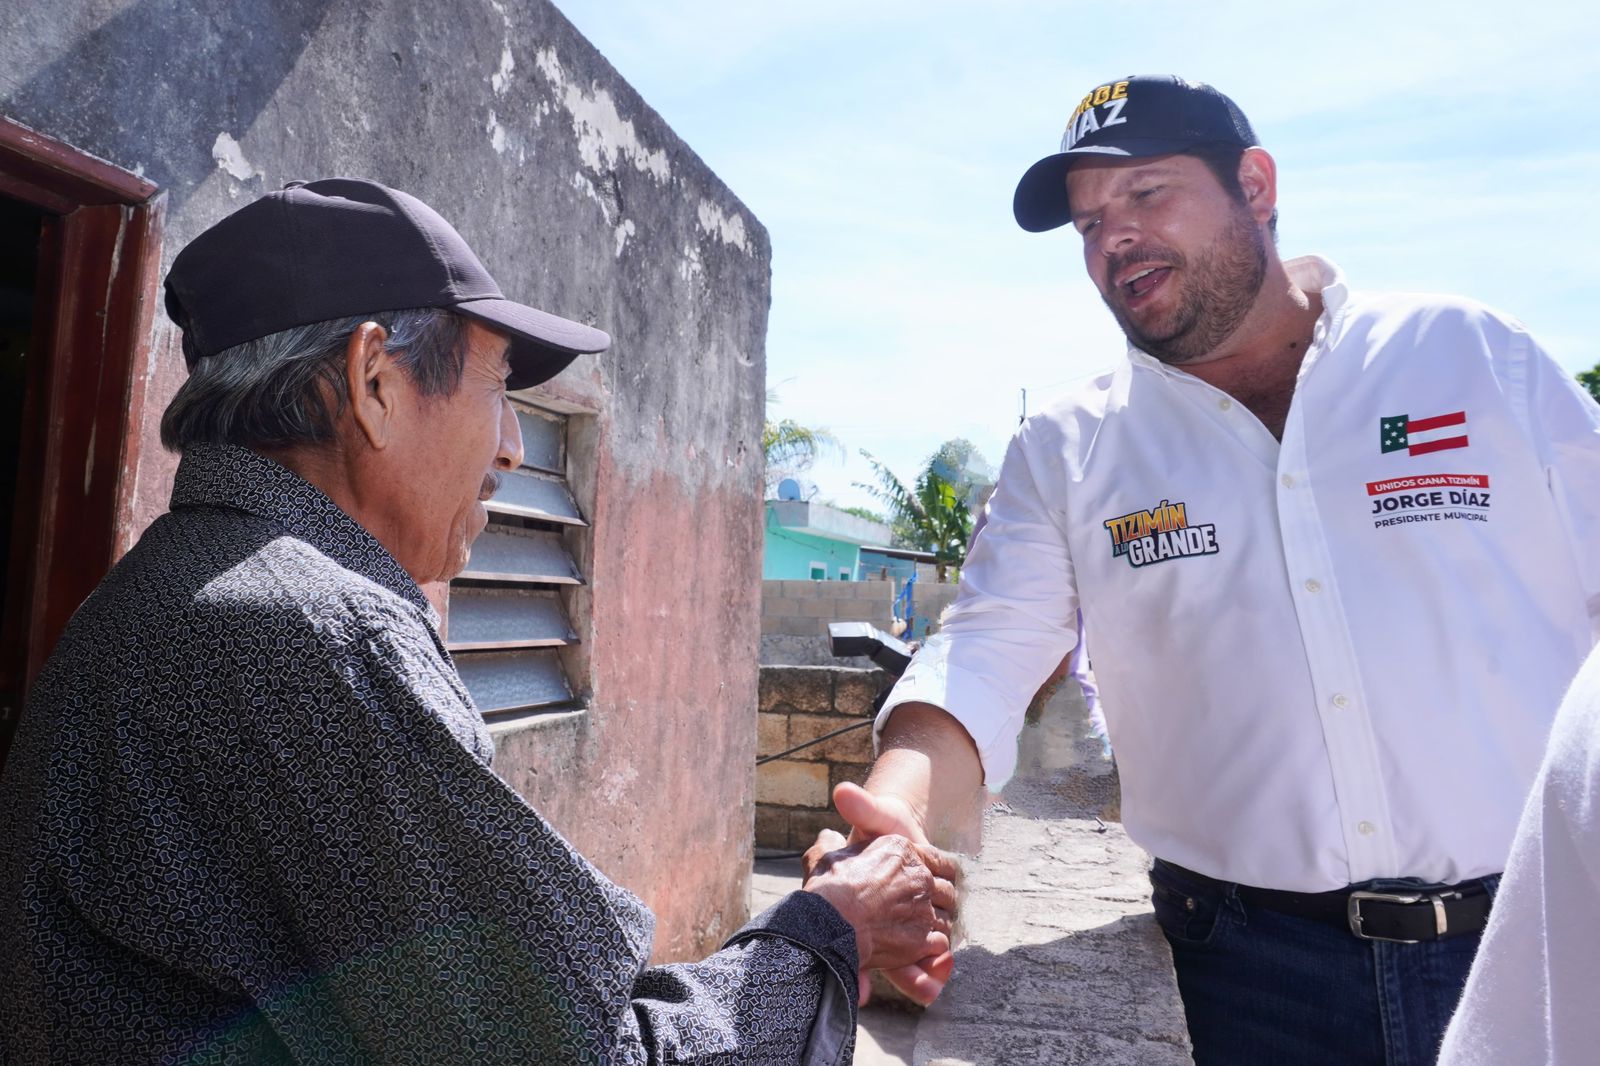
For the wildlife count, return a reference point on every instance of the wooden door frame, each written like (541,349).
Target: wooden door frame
(98,272)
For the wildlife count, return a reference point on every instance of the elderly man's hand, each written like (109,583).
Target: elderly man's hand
(870,817)
(899,896)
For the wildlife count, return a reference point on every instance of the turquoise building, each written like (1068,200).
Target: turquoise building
(806,540)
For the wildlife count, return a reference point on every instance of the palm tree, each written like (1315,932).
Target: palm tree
(790,448)
(931,516)
(789,445)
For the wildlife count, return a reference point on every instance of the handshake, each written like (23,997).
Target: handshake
(896,890)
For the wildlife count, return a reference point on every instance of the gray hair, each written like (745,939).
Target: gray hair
(274,392)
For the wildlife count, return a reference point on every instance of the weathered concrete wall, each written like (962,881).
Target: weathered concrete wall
(800,704)
(580,200)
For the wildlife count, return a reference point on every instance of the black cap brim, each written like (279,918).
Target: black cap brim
(1040,202)
(542,344)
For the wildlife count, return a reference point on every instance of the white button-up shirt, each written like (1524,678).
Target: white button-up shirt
(1325,660)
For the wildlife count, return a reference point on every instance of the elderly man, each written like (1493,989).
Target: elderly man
(1339,553)
(250,815)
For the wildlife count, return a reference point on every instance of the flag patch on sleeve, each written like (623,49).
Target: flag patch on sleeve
(1422,436)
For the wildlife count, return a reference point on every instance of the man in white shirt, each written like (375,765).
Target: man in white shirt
(1338,553)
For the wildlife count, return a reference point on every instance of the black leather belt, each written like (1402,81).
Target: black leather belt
(1407,916)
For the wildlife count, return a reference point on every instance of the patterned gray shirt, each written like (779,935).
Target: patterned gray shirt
(249,818)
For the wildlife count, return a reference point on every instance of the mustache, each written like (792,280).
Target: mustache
(490,486)
(1140,256)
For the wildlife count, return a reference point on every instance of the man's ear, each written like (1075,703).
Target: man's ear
(1258,177)
(370,377)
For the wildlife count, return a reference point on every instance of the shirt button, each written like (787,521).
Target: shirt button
(1288,481)
(1225,403)
(1313,585)
(1341,701)
(1366,829)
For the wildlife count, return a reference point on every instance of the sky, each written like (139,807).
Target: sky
(1421,146)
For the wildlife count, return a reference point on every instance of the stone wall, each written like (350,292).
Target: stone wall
(797,704)
(580,200)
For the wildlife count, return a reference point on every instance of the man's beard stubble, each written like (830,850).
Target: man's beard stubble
(1218,292)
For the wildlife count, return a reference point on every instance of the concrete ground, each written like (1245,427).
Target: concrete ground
(1062,962)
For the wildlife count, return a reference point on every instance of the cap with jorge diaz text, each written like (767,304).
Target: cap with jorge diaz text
(339,247)
(1133,117)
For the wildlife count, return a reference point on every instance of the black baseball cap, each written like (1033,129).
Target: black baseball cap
(329,249)
(1137,116)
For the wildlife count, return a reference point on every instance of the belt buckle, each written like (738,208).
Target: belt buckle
(1353,911)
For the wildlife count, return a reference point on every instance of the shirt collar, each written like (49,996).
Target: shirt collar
(225,475)
(1312,273)
(1309,273)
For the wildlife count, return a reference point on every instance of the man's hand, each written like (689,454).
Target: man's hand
(871,816)
(897,895)
(927,785)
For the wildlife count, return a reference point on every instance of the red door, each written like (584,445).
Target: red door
(81,252)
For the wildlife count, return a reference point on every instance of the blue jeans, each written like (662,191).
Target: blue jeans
(1265,988)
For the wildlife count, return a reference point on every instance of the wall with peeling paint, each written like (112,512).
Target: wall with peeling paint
(580,200)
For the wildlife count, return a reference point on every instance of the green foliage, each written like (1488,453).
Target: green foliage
(931,516)
(1590,379)
(790,448)
(788,443)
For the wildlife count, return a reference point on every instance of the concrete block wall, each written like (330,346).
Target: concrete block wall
(804,608)
(795,616)
(928,602)
(797,704)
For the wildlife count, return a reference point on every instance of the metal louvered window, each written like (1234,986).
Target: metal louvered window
(508,620)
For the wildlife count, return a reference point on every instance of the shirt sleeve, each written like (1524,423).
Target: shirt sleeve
(1565,426)
(762,999)
(1014,619)
(403,904)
